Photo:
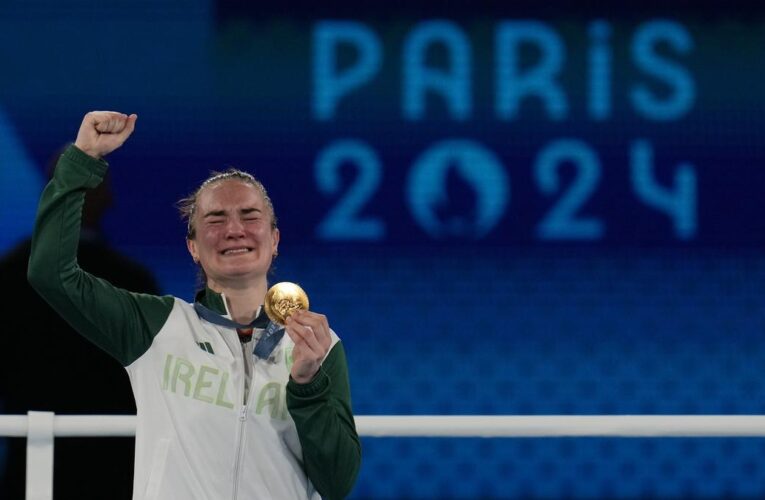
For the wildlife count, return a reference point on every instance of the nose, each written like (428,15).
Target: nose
(234,228)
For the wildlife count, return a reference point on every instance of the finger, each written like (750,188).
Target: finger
(318,323)
(105,126)
(96,117)
(301,329)
(304,335)
(109,122)
(303,351)
(129,126)
(127,129)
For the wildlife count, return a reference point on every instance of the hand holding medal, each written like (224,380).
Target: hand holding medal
(287,304)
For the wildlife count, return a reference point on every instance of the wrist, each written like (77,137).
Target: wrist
(304,379)
(317,386)
(88,151)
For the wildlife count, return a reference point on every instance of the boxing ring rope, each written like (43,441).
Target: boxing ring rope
(40,429)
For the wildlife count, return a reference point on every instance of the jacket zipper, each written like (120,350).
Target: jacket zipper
(239,448)
(242,420)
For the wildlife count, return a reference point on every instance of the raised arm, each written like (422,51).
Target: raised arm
(120,322)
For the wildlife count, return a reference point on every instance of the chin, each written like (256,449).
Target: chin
(242,271)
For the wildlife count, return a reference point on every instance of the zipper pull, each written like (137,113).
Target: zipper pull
(243,413)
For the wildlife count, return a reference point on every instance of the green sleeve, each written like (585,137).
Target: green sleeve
(322,413)
(121,323)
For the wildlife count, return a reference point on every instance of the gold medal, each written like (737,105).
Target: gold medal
(284,298)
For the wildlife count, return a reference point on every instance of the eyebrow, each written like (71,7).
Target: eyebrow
(214,213)
(221,213)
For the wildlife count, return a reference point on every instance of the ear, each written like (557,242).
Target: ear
(192,247)
(275,248)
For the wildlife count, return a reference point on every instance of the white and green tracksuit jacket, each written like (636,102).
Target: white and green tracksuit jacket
(202,432)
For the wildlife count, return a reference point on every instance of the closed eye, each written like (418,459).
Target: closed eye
(214,217)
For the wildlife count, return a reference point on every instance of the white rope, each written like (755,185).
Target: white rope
(461,426)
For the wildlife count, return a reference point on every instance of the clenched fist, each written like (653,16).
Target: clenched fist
(101,132)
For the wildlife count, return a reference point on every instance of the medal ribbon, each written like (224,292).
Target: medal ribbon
(264,346)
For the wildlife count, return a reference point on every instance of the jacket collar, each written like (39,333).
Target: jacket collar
(216,302)
(211,300)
